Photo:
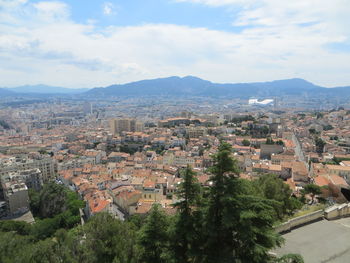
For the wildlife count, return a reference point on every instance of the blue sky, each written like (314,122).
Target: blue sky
(88,43)
(136,12)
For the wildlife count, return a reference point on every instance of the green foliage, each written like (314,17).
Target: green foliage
(56,207)
(339,160)
(52,200)
(242,118)
(237,223)
(271,187)
(127,149)
(319,115)
(328,127)
(269,141)
(34,198)
(21,228)
(258,131)
(319,145)
(290,258)
(312,189)
(5,125)
(184,234)
(280,142)
(245,142)
(312,131)
(153,238)
(107,240)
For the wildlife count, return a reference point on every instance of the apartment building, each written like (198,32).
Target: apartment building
(47,166)
(118,126)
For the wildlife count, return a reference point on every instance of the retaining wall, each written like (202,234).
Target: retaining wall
(300,221)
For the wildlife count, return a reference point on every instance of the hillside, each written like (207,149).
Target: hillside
(187,86)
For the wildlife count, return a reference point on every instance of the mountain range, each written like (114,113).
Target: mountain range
(189,86)
(193,86)
(39,89)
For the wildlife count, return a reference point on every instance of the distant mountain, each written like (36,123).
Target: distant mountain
(44,89)
(6,92)
(162,86)
(187,86)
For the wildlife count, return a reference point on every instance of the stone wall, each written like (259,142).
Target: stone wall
(337,211)
(300,221)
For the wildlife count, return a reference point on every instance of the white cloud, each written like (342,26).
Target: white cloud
(46,46)
(108,9)
(52,10)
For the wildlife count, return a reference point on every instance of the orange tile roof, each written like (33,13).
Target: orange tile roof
(98,205)
(337,180)
(321,181)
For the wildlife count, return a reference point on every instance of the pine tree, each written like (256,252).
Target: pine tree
(153,237)
(185,235)
(221,204)
(238,223)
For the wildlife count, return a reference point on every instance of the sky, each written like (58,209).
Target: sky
(92,43)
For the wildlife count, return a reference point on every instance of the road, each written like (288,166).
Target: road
(299,152)
(320,242)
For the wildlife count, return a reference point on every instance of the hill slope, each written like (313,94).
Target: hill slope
(187,86)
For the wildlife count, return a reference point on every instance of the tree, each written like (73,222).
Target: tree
(220,242)
(319,145)
(269,141)
(245,142)
(153,237)
(312,131)
(105,239)
(185,234)
(273,188)
(319,115)
(290,258)
(52,200)
(19,227)
(280,142)
(313,190)
(237,224)
(328,127)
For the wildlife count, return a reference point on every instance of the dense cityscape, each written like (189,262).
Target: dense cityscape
(174,131)
(65,162)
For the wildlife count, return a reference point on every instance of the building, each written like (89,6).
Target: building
(47,166)
(16,197)
(266,150)
(32,178)
(196,132)
(125,125)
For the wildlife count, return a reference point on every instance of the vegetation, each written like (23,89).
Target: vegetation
(319,145)
(312,131)
(54,207)
(245,142)
(273,188)
(231,221)
(242,118)
(313,190)
(269,140)
(328,127)
(5,125)
(258,131)
(127,149)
